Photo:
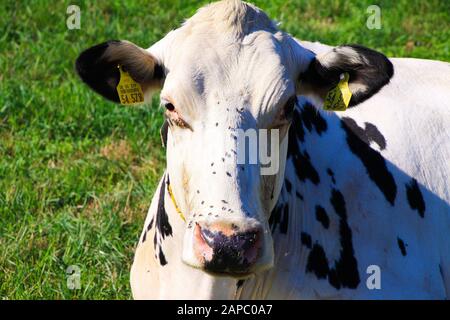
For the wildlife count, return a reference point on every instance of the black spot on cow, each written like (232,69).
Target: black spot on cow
(279,216)
(162,258)
(358,140)
(162,219)
(415,198)
(296,131)
(317,262)
(155,241)
(275,216)
(307,117)
(338,202)
(322,216)
(150,225)
(345,271)
(285,221)
(402,246)
(373,134)
(331,174)
(306,240)
(162,225)
(304,168)
(288,185)
(299,195)
(312,119)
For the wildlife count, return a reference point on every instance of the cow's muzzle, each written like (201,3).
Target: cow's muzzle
(226,249)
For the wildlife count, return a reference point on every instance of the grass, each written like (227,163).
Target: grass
(77,173)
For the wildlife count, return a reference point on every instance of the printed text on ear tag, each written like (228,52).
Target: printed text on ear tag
(129,91)
(338,98)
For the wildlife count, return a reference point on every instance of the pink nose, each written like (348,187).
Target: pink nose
(224,249)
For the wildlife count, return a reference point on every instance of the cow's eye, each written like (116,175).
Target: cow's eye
(169,107)
(174,116)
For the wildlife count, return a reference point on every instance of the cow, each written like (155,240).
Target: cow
(359,205)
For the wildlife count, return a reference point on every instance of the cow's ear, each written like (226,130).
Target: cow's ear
(368,72)
(98,67)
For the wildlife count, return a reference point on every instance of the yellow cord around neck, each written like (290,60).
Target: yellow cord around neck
(169,189)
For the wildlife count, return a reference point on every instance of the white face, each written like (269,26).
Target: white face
(213,91)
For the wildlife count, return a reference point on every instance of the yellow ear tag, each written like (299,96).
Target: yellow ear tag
(130,92)
(338,98)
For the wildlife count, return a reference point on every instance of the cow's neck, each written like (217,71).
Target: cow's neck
(179,278)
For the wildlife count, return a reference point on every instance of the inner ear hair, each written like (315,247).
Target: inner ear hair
(368,69)
(98,67)
(140,64)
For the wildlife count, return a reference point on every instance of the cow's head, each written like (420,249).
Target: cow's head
(228,75)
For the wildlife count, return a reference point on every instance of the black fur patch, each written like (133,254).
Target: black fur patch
(312,119)
(162,219)
(149,227)
(306,117)
(415,198)
(162,225)
(322,217)
(304,168)
(345,271)
(358,141)
(101,75)
(402,246)
(288,185)
(306,239)
(162,258)
(331,174)
(317,262)
(373,134)
(279,216)
(163,133)
(296,131)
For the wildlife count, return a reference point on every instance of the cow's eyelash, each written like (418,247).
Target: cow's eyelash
(174,117)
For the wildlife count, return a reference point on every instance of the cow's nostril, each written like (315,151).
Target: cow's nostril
(223,249)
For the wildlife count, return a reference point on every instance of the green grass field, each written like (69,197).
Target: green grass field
(77,173)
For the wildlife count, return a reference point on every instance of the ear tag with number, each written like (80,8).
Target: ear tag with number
(338,98)
(129,91)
